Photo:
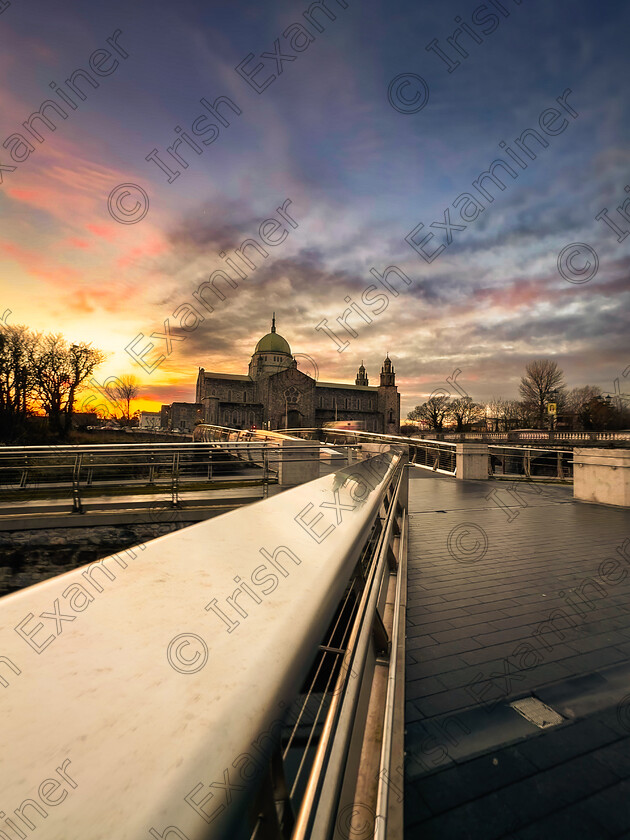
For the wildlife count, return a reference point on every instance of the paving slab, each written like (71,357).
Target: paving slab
(529,602)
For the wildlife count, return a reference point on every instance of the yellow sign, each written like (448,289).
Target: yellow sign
(551,408)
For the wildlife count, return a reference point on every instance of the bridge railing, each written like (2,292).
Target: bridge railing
(530,462)
(25,466)
(217,682)
(522,461)
(434,455)
(535,436)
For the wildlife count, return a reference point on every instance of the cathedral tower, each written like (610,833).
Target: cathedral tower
(389,398)
(361,376)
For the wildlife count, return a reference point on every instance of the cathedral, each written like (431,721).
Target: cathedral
(275,394)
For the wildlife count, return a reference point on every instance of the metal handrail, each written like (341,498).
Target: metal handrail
(560,460)
(114,676)
(389,722)
(318,811)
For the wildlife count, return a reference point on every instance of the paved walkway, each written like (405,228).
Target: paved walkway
(514,595)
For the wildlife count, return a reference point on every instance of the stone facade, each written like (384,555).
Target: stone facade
(276,394)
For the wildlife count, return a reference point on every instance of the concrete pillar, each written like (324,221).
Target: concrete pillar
(298,461)
(472,460)
(602,475)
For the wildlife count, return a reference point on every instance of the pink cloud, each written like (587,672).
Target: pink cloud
(36,265)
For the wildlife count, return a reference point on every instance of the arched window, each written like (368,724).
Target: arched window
(229,395)
(244,396)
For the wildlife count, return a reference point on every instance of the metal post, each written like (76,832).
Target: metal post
(265,474)
(175,480)
(24,476)
(76,492)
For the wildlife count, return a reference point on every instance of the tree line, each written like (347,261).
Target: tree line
(583,408)
(43,374)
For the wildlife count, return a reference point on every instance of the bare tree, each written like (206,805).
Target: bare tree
(464,411)
(579,402)
(433,412)
(16,377)
(503,415)
(512,414)
(543,382)
(124,390)
(60,371)
(17,382)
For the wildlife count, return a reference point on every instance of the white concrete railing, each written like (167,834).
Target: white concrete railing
(139,695)
(537,435)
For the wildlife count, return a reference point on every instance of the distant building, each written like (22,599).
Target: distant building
(184,415)
(81,419)
(181,416)
(277,395)
(149,420)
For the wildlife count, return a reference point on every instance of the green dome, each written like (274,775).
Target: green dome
(273,343)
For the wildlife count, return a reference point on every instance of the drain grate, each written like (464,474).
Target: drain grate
(537,712)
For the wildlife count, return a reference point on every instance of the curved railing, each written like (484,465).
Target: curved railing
(437,456)
(215,682)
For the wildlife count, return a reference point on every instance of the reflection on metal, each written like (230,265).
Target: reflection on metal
(537,712)
(216,682)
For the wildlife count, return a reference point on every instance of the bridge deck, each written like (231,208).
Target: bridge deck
(477,641)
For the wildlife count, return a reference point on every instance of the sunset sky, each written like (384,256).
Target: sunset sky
(359,174)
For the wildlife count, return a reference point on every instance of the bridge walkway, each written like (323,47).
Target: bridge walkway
(515,596)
